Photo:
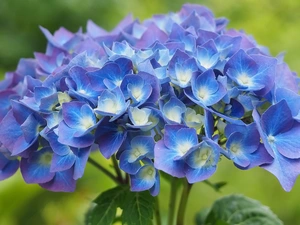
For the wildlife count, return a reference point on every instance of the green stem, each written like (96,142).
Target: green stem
(127,179)
(183,202)
(222,141)
(172,201)
(208,183)
(157,212)
(105,171)
(117,169)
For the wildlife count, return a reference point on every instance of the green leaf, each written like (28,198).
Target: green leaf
(219,185)
(138,209)
(216,186)
(240,210)
(104,212)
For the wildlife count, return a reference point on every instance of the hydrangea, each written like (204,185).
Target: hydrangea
(171,94)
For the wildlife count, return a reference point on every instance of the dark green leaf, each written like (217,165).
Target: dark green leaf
(138,209)
(221,222)
(104,212)
(201,216)
(240,210)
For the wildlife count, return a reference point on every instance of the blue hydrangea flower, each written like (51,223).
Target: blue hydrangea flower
(8,165)
(280,132)
(109,137)
(44,99)
(207,55)
(80,85)
(201,161)
(173,93)
(78,122)
(251,73)
(192,119)
(146,178)
(112,103)
(173,111)
(139,117)
(205,89)
(168,152)
(140,147)
(179,154)
(181,69)
(137,89)
(110,75)
(178,34)
(19,129)
(244,147)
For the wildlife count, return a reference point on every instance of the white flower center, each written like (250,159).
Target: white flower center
(111,106)
(271,139)
(118,83)
(184,147)
(63,97)
(207,63)
(137,151)
(191,116)
(136,92)
(86,123)
(235,148)
(203,93)
(139,116)
(192,119)
(184,76)
(202,155)
(174,114)
(81,91)
(148,173)
(244,79)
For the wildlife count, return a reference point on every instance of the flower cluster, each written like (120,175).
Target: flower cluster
(173,93)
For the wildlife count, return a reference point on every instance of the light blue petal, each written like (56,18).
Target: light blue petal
(30,128)
(7,167)
(200,174)
(288,143)
(57,147)
(164,160)
(61,163)
(277,119)
(144,179)
(66,135)
(80,163)
(71,113)
(127,165)
(145,145)
(36,169)
(173,110)
(61,182)
(286,170)
(290,97)
(109,137)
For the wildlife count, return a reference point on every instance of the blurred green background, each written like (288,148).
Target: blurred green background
(273,23)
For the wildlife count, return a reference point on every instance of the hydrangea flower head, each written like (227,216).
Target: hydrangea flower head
(173,93)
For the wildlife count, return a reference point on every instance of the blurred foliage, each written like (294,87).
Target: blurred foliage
(273,23)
